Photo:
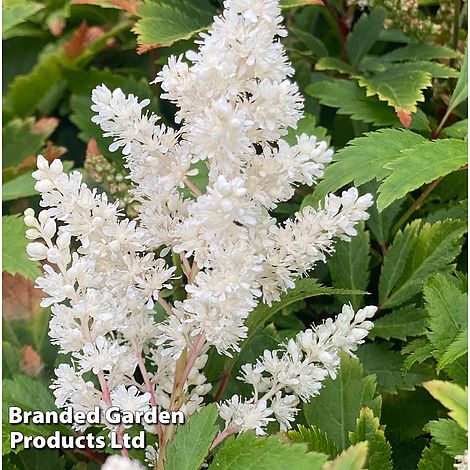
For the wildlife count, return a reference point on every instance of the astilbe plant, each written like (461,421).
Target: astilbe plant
(103,273)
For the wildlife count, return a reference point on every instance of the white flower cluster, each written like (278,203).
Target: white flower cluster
(461,461)
(103,276)
(281,379)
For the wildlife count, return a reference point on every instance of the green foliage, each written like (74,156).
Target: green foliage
(162,22)
(15,258)
(453,397)
(353,458)
(379,456)
(15,12)
(416,254)
(246,452)
(351,99)
(434,458)
(29,395)
(191,444)
(387,366)
(349,267)
(364,35)
(460,93)
(405,322)
(419,165)
(337,407)
(316,440)
(449,434)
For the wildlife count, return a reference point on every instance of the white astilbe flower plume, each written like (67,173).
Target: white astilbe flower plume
(104,273)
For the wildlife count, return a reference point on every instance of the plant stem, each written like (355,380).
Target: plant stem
(165,305)
(416,205)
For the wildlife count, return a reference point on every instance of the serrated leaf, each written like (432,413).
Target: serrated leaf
(417,351)
(458,130)
(453,397)
(420,165)
(246,452)
(380,223)
(304,289)
(316,440)
(332,63)
(337,407)
(15,12)
(349,266)
(30,395)
(403,323)
(432,250)
(22,138)
(163,22)
(306,125)
(418,51)
(353,458)
(23,186)
(15,258)
(434,458)
(399,86)
(379,455)
(314,44)
(364,35)
(364,159)
(460,93)
(447,309)
(192,441)
(449,434)
(351,99)
(27,91)
(457,349)
(395,260)
(387,366)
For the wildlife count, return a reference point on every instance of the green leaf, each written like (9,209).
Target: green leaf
(15,258)
(351,99)
(449,434)
(434,458)
(30,395)
(353,458)
(163,22)
(364,159)
(403,323)
(395,260)
(33,459)
(246,452)
(337,407)
(316,440)
(418,51)
(380,223)
(15,12)
(23,186)
(364,35)
(296,3)
(418,351)
(192,441)
(458,130)
(306,125)
(314,44)
(420,165)
(457,349)
(21,139)
(27,91)
(304,289)
(332,63)
(368,429)
(399,86)
(349,266)
(453,397)
(430,251)
(387,366)
(447,308)
(460,93)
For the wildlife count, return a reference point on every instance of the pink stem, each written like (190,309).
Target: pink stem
(149,385)
(221,436)
(165,305)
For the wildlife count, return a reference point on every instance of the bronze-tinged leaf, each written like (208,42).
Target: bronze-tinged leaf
(30,363)
(20,297)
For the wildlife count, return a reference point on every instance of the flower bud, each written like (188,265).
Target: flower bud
(37,251)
